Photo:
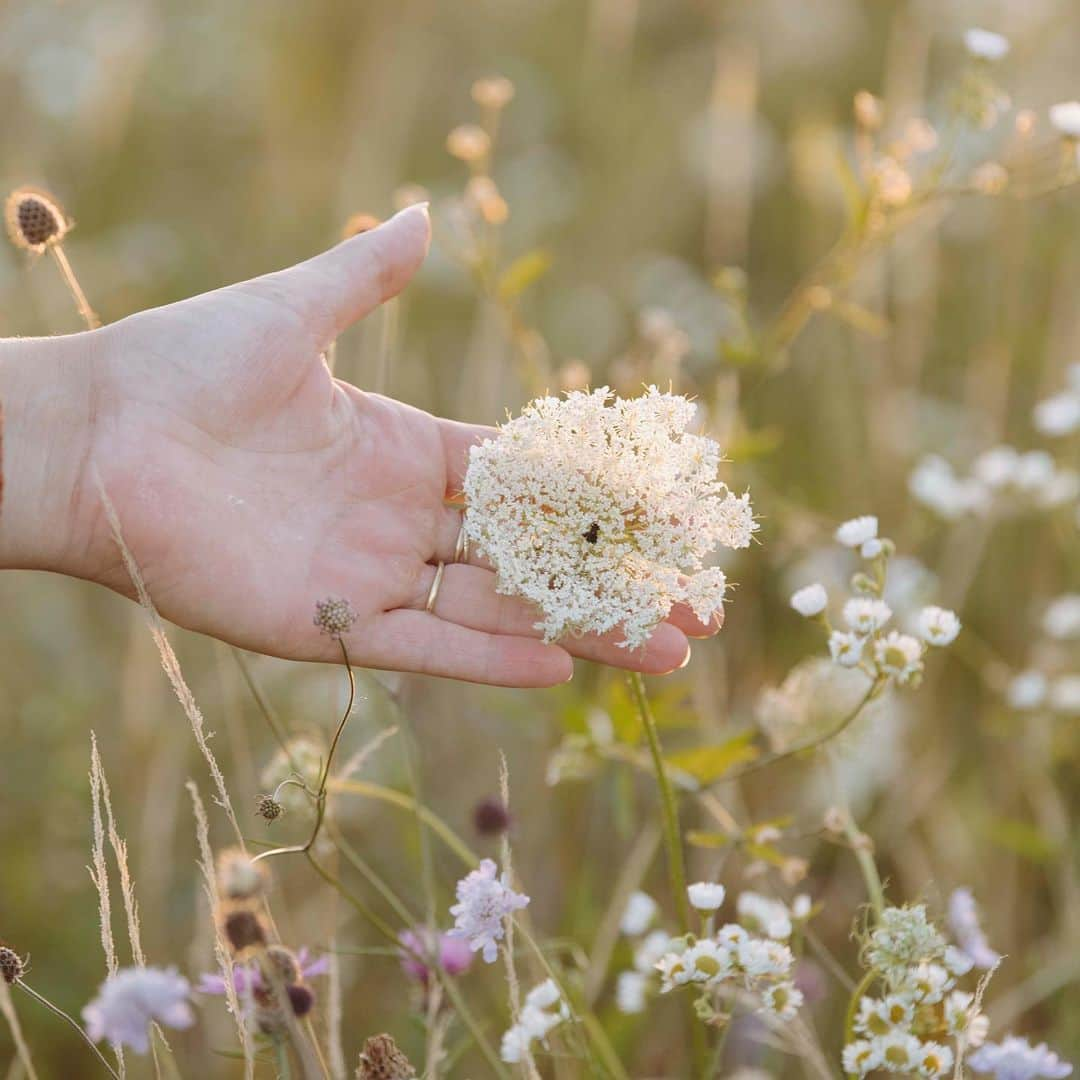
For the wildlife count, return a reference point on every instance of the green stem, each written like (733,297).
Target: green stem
(668,806)
(853,1008)
(281,1054)
(469,1021)
(673,843)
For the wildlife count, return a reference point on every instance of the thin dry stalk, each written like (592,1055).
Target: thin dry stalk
(7,1007)
(171,664)
(99,874)
(221,953)
(119,846)
(335,1009)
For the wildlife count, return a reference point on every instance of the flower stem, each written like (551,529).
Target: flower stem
(853,1006)
(668,807)
(64,1016)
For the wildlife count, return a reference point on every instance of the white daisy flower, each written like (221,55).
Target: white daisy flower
(934,1060)
(782,999)
(762,913)
(706,896)
(865,615)
(899,655)
(937,626)
(846,649)
(857,531)
(810,600)
(861,1057)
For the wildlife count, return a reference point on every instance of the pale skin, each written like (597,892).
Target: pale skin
(249,483)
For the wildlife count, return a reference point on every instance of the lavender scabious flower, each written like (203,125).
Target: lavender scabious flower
(455,956)
(129,1001)
(484,901)
(964,923)
(1015,1058)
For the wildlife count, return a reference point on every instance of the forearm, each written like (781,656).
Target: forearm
(48,400)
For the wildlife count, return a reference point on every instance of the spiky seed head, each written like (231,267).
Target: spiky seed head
(12,965)
(239,878)
(34,219)
(382,1060)
(243,929)
(334,616)
(359,223)
(493,92)
(266,806)
(286,963)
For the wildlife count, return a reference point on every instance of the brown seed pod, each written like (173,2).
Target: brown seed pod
(243,929)
(12,966)
(34,219)
(382,1060)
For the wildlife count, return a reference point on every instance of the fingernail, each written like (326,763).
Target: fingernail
(686,658)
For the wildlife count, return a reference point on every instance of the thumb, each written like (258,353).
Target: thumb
(335,288)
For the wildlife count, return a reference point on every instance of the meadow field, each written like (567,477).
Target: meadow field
(849,231)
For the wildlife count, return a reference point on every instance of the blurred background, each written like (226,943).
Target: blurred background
(674,171)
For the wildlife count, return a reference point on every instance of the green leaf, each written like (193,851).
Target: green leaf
(524,271)
(766,853)
(706,764)
(1023,839)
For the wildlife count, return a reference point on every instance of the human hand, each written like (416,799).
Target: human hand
(250,484)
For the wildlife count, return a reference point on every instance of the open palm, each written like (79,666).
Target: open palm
(250,483)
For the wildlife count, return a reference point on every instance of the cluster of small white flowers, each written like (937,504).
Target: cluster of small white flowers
(485,901)
(900,1030)
(1015,1058)
(633,987)
(1002,479)
(1059,414)
(601,511)
(1034,689)
(865,644)
(544,1010)
(638,914)
(738,956)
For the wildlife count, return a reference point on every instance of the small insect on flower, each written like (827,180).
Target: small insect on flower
(382,1060)
(34,219)
(335,616)
(12,966)
(131,1000)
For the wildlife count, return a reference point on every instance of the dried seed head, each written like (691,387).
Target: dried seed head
(494,92)
(359,223)
(266,806)
(243,929)
(382,1060)
(12,966)
(34,219)
(301,998)
(286,963)
(334,616)
(238,877)
(490,817)
(468,142)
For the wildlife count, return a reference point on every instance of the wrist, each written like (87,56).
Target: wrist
(48,389)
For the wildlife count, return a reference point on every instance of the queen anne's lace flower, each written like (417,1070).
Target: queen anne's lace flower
(484,902)
(1016,1059)
(601,511)
(131,1000)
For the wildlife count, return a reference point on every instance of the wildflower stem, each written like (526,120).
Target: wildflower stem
(676,865)
(668,807)
(852,1009)
(64,1016)
(320,794)
(85,310)
(467,1018)
(281,1056)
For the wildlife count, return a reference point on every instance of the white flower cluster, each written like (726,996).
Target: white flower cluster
(1016,1059)
(865,644)
(902,1030)
(485,901)
(601,511)
(1059,414)
(1002,479)
(544,1010)
(1034,689)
